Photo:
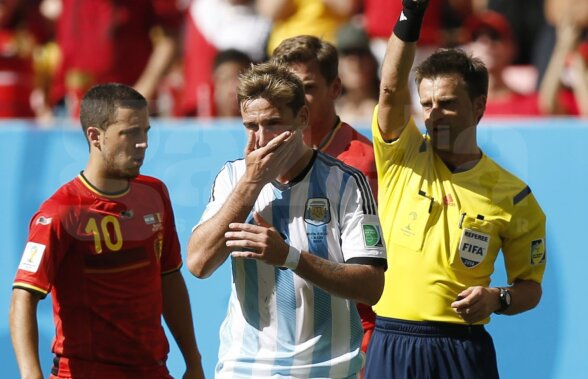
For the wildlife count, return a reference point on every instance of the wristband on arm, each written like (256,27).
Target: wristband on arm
(408,26)
(292,259)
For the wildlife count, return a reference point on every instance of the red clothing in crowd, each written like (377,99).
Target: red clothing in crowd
(381,16)
(107,41)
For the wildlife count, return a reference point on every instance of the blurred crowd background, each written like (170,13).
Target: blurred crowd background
(185,55)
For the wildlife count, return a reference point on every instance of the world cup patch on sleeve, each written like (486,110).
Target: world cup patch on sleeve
(473,247)
(31,257)
(372,236)
(538,251)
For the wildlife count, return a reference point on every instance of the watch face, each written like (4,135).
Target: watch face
(507,297)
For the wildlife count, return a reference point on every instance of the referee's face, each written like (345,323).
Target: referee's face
(450,115)
(268,120)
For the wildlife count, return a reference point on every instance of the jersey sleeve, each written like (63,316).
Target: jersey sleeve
(45,248)
(389,154)
(221,189)
(361,234)
(524,244)
(171,258)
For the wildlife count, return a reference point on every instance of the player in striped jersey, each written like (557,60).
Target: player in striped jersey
(316,63)
(304,239)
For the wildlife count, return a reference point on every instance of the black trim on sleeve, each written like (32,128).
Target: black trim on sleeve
(378,262)
(28,289)
(172,271)
(521,195)
(368,202)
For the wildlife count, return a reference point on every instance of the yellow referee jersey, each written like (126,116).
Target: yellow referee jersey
(443,230)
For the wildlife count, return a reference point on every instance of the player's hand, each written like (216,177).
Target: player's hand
(266,163)
(262,242)
(475,304)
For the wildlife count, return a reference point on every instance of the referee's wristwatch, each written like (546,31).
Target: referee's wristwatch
(505,298)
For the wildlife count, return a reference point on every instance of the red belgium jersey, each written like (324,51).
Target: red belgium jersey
(102,257)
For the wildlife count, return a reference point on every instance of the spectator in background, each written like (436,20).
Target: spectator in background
(212,26)
(315,63)
(526,20)
(23,30)
(228,65)
(131,42)
(358,70)
(579,67)
(492,41)
(320,18)
(570,19)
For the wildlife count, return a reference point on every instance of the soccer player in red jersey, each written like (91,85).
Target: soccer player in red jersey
(106,247)
(316,64)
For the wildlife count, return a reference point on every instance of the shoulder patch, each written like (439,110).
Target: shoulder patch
(31,257)
(42,220)
(372,236)
(538,251)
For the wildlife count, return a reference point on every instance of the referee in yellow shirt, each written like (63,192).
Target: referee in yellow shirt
(446,211)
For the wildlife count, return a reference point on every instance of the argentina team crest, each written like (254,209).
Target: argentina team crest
(317,211)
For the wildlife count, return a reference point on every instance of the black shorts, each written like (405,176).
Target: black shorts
(430,350)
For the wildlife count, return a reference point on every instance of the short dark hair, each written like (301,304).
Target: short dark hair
(100,103)
(273,82)
(306,49)
(455,61)
(231,55)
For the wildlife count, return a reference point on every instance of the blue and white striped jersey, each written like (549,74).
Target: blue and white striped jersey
(279,324)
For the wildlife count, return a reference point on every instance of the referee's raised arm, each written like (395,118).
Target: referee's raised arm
(394,108)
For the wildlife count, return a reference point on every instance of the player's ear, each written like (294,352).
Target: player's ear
(93,135)
(336,88)
(479,107)
(303,117)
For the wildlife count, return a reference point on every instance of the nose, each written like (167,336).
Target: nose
(263,137)
(141,145)
(435,113)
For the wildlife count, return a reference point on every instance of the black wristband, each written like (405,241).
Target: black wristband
(408,25)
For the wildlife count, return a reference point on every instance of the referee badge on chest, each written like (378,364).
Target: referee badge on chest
(473,247)
(317,211)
